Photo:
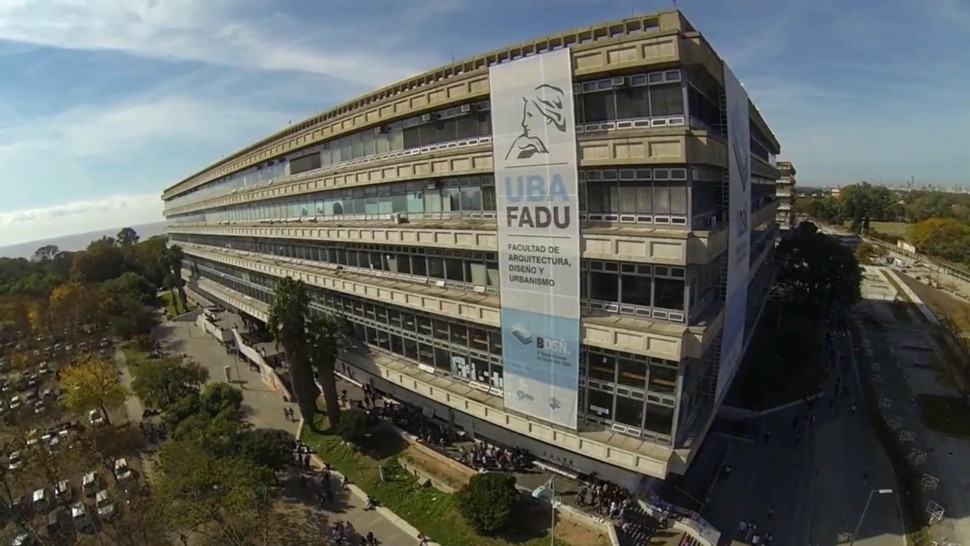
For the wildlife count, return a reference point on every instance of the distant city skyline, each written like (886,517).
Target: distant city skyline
(106,103)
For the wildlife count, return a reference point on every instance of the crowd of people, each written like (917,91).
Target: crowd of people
(483,457)
(604,498)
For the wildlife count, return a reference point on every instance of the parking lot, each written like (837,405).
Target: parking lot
(64,479)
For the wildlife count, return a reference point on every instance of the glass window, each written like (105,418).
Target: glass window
(636,290)
(632,373)
(661,197)
(666,100)
(459,334)
(471,197)
(478,274)
(598,106)
(466,127)
(412,137)
(599,404)
(450,199)
(603,286)
(442,360)
(628,198)
(668,294)
(663,379)
(419,266)
(436,267)
(629,411)
(454,270)
(632,103)
(678,199)
(659,418)
(440,329)
(447,130)
(602,367)
(479,338)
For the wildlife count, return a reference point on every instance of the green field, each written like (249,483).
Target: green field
(895,229)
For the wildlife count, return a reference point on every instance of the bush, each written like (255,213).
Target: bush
(353,425)
(488,501)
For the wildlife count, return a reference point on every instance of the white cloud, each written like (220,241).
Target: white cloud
(212,31)
(79,217)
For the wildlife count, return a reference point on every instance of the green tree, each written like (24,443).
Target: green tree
(268,447)
(488,501)
(131,318)
(173,256)
(288,316)
(353,425)
(326,342)
(225,500)
(216,434)
(133,285)
(127,237)
(817,267)
(161,383)
(221,397)
(46,253)
(101,261)
(91,383)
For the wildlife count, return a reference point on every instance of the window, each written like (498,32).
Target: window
(436,267)
(668,294)
(636,289)
(598,106)
(632,373)
(599,404)
(629,411)
(663,379)
(471,197)
(659,418)
(666,100)
(603,286)
(632,103)
(602,367)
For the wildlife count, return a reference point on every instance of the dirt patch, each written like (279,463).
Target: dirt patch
(572,532)
(455,477)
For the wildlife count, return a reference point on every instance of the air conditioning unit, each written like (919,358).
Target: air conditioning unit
(618,81)
(465,108)
(431,116)
(483,106)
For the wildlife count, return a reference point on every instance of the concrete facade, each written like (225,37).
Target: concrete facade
(785,193)
(385,208)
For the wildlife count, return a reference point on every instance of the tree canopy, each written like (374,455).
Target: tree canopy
(288,316)
(163,382)
(91,383)
(817,267)
(488,501)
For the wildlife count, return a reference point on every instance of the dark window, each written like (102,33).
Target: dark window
(603,286)
(602,367)
(305,163)
(632,373)
(666,100)
(599,404)
(663,379)
(629,411)
(659,419)
(412,137)
(632,102)
(628,197)
(436,268)
(668,294)
(599,106)
(636,290)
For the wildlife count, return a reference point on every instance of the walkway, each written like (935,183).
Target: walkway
(264,408)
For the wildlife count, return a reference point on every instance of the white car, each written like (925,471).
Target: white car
(14,461)
(105,506)
(42,500)
(96,418)
(15,402)
(122,470)
(82,521)
(90,484)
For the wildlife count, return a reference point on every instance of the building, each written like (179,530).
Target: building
(585,292)
(785,193)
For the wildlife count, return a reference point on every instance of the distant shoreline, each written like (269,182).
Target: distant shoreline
(77,241)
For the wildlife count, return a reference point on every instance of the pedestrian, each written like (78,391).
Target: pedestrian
(798,438)
(865,477)
(767,540)
(727,470)
(286,414)
(756,539)
(771,512)
(853,409)
(369,540)
(743,529)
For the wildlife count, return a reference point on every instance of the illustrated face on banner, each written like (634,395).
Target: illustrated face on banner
(541,112)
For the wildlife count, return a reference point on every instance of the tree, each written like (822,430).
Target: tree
(353,425)
(130,317)
(488,501)
(70,305)
(161,383)
(91,383)
(816,267)
(288,316)
(226,500)
(269,447)
(173,257)
(46,253)
(132,285)
(216,434)
(326,340)
(127,237)
(943,237)
(100,262)
(221,397)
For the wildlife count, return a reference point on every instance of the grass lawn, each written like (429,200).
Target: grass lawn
(946,414)
(785,359)
(134,357)
(430,511)
(168,302)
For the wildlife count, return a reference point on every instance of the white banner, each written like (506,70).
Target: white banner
(739,240)
(536,189)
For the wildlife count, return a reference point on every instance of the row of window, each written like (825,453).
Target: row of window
(658,96)
(655,291)
(473,354)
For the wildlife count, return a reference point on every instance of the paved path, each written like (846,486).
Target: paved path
(264,408)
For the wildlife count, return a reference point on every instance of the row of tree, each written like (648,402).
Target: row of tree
(113,283)
(940,222)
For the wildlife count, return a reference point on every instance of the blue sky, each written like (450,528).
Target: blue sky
(105,103)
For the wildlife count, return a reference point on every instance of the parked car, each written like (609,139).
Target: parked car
(63,492)
(55,522)
(96,418)
(90,484)
(82,520)
(15,461)
(24,539)
(122,470)
(42,501)
(105,506)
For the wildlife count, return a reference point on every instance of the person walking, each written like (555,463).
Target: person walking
(771,512)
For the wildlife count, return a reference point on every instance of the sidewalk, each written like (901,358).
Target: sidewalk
(264,408)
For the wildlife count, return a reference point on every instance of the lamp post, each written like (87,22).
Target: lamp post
(551,485)
(866,509)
